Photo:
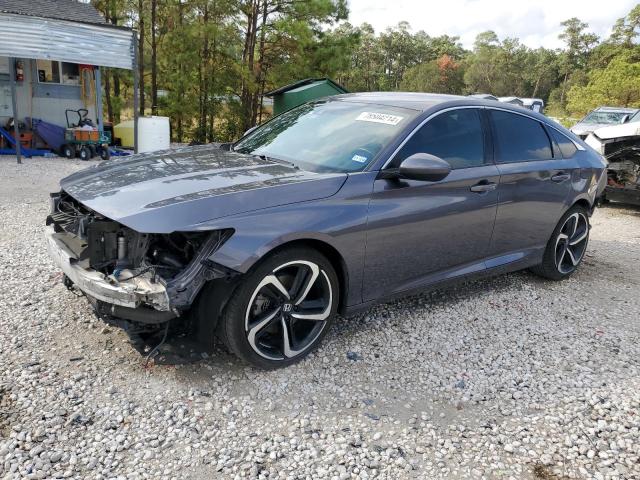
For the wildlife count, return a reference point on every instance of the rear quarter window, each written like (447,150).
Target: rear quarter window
(519,139)
(566,146)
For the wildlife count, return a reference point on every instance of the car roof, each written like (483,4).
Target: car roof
(431,101)
(529,101)
(434,102)
(411,100)
(616,109)
(486,96)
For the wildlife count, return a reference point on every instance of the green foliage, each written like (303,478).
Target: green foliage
(579,42)
(618,84)
(507,68)
(443,75)
(214,60)
(626,29)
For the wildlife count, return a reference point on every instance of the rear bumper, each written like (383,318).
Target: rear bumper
(137,293)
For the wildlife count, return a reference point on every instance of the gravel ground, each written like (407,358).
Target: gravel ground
(511,377)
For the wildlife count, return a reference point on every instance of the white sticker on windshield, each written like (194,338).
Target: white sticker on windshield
(379,118)
(359,158)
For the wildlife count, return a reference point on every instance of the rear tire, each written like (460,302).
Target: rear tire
(105,154)
(567,245)
(282,309)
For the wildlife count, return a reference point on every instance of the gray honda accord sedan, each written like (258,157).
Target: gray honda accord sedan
(330,207)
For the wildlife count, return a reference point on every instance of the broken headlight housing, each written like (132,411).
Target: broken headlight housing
(178,260)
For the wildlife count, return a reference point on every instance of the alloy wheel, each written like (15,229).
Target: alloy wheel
(571,242)
(288,310)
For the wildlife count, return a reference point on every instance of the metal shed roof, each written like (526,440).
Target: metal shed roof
(63,30)
(71,10)
(303,83)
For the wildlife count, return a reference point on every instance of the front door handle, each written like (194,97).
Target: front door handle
(560,177)
(483,187)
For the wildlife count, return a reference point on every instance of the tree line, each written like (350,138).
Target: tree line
(208,63)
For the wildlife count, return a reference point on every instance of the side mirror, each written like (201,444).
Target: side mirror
(425,167)
(625,119)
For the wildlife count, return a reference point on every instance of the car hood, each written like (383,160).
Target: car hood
(176,190)
(618,131)
(585,128)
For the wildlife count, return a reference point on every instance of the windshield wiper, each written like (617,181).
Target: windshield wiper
(278,160)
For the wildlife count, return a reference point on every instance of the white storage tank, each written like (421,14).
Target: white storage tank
(154,134)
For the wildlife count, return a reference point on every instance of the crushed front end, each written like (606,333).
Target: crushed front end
(143,277)
(623,171)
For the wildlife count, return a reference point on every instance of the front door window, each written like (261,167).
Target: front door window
(455,136)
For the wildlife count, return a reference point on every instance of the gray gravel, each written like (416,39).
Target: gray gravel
(511,377)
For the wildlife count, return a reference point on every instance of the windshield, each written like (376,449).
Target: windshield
(328,136)
(605,117)
(635,118)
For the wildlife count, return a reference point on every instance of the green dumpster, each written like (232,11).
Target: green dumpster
(289,96)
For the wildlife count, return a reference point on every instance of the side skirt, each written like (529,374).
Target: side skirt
(521,264)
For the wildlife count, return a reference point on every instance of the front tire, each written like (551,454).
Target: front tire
(282,309)
(567,245)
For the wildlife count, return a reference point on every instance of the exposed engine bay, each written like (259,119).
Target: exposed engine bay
(117,265)
(623,171)
(624,174)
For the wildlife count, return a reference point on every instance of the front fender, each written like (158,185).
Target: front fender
(338,222)
(244,250)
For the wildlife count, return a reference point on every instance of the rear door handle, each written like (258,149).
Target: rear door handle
(560,177)
(483,187)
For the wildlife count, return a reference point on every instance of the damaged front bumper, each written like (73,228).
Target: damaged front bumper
(136,293)
(623,170)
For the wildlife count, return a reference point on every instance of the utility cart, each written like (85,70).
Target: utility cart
(83,139)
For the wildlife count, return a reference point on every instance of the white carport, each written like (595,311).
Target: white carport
(64,31)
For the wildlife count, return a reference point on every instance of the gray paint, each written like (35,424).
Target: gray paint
(445,223)
(191,186)
(394,236)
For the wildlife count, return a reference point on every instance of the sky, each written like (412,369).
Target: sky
(535,22)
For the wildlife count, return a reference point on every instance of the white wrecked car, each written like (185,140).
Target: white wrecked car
(602,117)
(620,145)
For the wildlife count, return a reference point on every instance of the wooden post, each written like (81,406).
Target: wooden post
(14,105)
(136,93)
(99,121)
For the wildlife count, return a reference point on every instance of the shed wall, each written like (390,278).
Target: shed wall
(44,101)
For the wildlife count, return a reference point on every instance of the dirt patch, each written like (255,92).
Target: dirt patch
(6,407)
(541,472)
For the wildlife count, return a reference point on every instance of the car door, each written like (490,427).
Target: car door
(419,232)
(535,182)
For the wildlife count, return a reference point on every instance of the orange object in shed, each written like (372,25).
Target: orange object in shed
(26,138)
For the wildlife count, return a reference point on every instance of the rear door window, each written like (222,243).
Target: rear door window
(518,138)
(455,136)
